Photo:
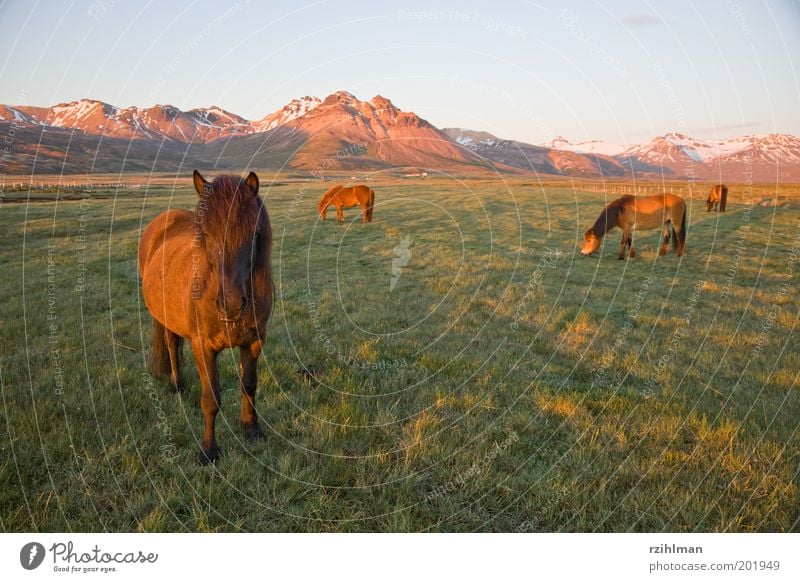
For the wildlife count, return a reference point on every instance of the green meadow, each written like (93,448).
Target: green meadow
(456,365)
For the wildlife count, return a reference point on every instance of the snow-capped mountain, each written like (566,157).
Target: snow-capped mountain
(160,121)
(585,147)
(339,131)
(754,157)
(342,131)
(540,159)
(292,110)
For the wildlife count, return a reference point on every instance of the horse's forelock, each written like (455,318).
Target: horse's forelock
(231,212)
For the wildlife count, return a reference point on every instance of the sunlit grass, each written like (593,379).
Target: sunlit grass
(503,383)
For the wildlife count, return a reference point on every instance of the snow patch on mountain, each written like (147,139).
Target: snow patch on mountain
(585,147)
(294,109)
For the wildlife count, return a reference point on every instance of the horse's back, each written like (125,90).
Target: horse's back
(165,266)
(653,211)
(353,196)
(165,227)
(674,201)
(656,202)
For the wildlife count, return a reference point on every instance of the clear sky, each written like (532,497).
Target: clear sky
(615,70)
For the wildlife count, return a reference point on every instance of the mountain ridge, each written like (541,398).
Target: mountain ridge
(342,132)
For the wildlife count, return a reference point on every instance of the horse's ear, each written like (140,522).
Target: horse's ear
(199,183)
(252,182)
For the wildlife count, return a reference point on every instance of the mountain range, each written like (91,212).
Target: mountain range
(342,133)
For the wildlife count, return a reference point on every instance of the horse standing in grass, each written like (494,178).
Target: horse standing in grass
(342,197)
(206,277)
(718,195)
(631,213)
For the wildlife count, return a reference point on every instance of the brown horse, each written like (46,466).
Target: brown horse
(206,277)
(718,195)
(640,213)
(342,197)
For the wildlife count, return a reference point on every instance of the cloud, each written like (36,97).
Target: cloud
(641,19)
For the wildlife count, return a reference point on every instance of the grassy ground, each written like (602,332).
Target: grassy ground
(503,383)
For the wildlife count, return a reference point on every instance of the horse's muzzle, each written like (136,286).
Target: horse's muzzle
(227,315)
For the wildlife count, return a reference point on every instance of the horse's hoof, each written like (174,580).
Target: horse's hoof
(621,258)
(177,388)
(209,457)
(252,432)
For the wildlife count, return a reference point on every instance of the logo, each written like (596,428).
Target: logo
(402,254)
(31,555)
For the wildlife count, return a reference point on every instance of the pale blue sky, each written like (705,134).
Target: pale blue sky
(614,70)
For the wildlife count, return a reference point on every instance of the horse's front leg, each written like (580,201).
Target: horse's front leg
(174,344)
(248,367)
(340,213)
(206,360)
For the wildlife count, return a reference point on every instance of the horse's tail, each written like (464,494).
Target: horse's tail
(723,199)
(159,355)
(370,204)
(679,238)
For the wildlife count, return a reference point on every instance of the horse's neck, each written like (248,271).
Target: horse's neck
(604,223)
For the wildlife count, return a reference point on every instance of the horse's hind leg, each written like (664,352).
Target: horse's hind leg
(206,361)
(679,241)
(174,346)
(664,240)
(248,367)
(631,250)
(624,244)
(339,214)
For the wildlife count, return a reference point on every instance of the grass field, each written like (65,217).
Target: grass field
(504,382)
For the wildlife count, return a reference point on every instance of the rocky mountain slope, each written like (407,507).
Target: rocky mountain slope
(343,133)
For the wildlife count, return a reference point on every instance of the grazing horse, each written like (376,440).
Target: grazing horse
(206,277)
(342,197)
(638,213)
(718,195)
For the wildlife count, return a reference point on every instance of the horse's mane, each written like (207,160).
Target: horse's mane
(609,217)
(326,198)
(229,204)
